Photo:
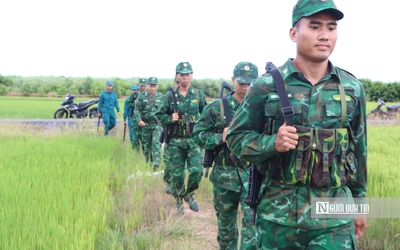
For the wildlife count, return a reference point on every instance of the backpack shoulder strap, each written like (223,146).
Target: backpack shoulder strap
(227,111)
(287,109)
(221,112)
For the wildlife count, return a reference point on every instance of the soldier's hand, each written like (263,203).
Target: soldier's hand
(224,134)
(124,122)
(286,139)
(99,115)
(142,124)
(175,117)
(119,114)
(360,224)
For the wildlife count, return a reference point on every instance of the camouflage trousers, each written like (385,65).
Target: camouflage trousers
(151,143)
(276,236)
(184,152)
(167,165)
(136,135)
(226,204)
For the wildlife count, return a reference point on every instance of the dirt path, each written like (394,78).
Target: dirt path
(204,224)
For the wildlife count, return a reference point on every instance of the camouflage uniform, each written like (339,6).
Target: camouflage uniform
(182,149)
(167,164)
(128,109)
(136,130)
(107,102)
(310,170)
(145,108)
(229,178)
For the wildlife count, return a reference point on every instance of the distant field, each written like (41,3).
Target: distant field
(35,107)
(44,107)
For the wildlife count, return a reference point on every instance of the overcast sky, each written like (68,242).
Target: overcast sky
(143,38)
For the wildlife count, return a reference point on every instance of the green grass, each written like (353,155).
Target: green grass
(69,190)
(36,107)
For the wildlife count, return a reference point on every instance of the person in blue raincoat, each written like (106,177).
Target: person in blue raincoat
(129,107)
(108,100)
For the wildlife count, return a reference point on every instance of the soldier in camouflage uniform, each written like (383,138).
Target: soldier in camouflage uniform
(136,130)
(146,105)
(228,175)
(129,107)
(323,154)
(182,149)
(167,163)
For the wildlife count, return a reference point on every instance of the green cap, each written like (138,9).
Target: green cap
(109,83)
(245,72)
(184,67)
(176,80)
(152,80)
(142,81)
(306,8)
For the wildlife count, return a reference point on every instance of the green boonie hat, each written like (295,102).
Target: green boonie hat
(142,81)
(176,80)
(184,67)
(306,8)
(152,80)
(245,72)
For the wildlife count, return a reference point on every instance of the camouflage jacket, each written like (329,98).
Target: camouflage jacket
(227,171)
(316,107)
(189,109)
(146,106)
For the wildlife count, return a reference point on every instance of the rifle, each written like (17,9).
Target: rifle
(98,123)
(124,132)
(210,154)
(255,177)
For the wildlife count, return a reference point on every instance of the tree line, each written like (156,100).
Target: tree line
(61,85)
(46,85)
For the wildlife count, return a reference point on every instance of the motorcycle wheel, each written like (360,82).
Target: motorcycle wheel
(61,113)
(93,113)
(371,116)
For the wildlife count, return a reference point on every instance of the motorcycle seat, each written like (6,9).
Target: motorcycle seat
(82,104)
(392,107)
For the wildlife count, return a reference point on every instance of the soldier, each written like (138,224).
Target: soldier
(180,112)
(108,100)
(129,107)
(228,175)
(167,165)
(146,105)
(322,155)
(136,130)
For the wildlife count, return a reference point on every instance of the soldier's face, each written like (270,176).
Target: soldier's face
(240,88)
(184,79)
(315,36)
(152,88)
(176,84)
(109,88)
(142,88)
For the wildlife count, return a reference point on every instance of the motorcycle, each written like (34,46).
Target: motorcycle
(71,109)
(391,113)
